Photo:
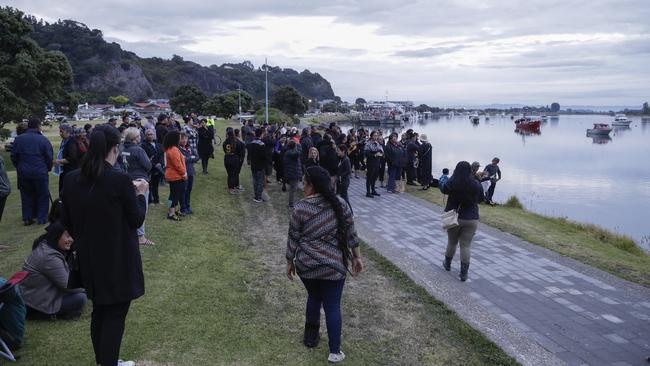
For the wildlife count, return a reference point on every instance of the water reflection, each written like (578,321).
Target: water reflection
(600,139)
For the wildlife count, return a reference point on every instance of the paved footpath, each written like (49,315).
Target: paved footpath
(540,307)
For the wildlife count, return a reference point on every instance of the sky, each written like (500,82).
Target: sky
(444,53)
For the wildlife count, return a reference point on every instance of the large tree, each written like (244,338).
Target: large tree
(118,100)
(288,100)
(227,104)
(30,77)
(188,99)
(555,107)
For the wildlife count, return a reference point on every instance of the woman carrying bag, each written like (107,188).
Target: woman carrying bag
(465,193)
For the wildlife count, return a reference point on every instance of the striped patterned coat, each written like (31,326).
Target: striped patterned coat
(312,239)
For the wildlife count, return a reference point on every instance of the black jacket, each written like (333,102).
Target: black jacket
(256,155)
(463,197)
(306,144)
(343,171)
(395,155)
(156,155)
(327,156)
(204,144)
(102,217)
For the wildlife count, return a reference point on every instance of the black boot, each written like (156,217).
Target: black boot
(312,335)
(446,264)
(464,268)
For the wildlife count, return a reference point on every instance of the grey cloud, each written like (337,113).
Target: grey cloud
(428,52)
(350,52)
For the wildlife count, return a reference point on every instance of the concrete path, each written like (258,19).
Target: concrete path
(541,308)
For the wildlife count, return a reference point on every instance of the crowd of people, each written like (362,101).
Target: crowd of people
(109,174)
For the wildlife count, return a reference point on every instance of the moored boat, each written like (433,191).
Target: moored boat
(527,123)
(621,120)
(599,129)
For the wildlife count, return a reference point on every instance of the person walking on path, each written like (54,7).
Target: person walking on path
(292,169)
(321,240)
(328,157)
(32,155)
(425,164)
(138,167)
(233,150)
(175,174)
(373,151)
(204,145)
(257,160)
(103,208)
(156,155)
(464,195)
(5,186)
(494,173)
(396,160)
(306,144)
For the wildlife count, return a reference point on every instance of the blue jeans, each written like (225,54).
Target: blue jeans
(327,294)
(393,173)
(185,204)
(35,199)
(258,183)
(72,304)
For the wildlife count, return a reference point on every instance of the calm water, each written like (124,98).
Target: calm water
(561,172)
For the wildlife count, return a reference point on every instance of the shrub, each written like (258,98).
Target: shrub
(4,133)
(514,202)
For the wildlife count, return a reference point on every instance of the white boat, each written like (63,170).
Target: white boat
(621,120)
(599,129)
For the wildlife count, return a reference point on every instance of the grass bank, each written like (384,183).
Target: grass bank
(595,246)
(325,119)
(216,294)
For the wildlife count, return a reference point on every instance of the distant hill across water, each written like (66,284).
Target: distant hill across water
(102,69)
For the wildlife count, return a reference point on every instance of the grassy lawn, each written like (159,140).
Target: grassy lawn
(613,253)
(216,293)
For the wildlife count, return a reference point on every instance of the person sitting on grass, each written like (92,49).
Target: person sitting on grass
(45,291)
(320,243)
(175,173)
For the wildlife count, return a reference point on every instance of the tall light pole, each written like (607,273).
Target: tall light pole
(239,90)
(266,77)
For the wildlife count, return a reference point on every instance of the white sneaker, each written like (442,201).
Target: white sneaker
(336,357)
(125,363)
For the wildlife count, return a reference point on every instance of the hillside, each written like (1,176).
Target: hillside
(102,69)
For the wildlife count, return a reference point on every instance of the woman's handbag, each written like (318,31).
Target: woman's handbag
(449,219)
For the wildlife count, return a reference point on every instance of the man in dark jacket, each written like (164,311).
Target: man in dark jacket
(257,160)
(156,155)
(494,174)
(162,127)
(411,155)
(396,161)
(68,157)
(425,163)
(32,156)
(343,172)
(306,144)
(316,137)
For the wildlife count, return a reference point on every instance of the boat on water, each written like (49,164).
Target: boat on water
(474,118)
(599,129)
(528,124)
(544,118)
(621,120)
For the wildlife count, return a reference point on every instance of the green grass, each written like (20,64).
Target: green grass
(590,244)
(216,294)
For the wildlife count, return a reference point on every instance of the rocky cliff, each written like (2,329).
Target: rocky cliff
(103,69)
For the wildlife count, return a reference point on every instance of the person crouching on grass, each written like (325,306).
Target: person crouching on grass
(175,174)
(321,237)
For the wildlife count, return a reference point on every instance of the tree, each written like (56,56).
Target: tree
(188,99)
(119,101)
(555,107)
(227,104)
(288,100)
(360,101)
(646,108)
(330,107)
(423,108)
(30,77)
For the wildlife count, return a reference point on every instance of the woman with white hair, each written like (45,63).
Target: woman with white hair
(138,167)
(425,163)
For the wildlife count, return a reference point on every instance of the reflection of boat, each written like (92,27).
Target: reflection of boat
(528,124)
(474,118)
(621,120)
(527,132)
(599,129)
(600,139)
(544,118)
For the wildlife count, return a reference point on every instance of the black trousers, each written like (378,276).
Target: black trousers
(232,168)
(204,162)
(490,191)
(382,170)
(411,173)
(153,188)
(372,173)
(3,200)
(106,330)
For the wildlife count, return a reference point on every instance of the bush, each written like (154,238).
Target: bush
(514,202)
(5,133)
(275,116)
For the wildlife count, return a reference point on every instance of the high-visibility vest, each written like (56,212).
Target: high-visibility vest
(210,122)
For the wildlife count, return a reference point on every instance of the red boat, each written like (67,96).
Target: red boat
(528,124)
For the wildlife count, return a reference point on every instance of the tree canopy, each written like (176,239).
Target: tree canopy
(30,77)
(227,104)
(360,101)
(119,100)
(188,99)
(555,107)
(288,100)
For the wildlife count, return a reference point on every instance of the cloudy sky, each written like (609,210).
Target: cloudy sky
(440,52)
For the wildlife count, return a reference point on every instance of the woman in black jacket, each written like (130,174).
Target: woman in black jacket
(102,210)
(233,150)
(204,145)
(464,195)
